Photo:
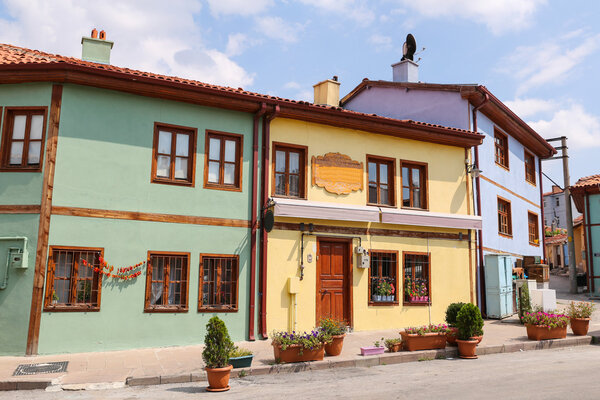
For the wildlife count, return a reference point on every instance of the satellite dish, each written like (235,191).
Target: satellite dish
(268,221)
(409,47)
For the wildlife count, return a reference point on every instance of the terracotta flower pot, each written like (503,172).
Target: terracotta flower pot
(395,347)
(335,347)
(218,378)
(428,341)
(541,332)
(580,326)
(451,336)
(467,348)
(478,338)
(296,353)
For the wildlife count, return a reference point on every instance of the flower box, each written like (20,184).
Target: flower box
(241,362)
(542,332)
(378,298)
(427,341)
(297,353)
(371,350)
(419,299)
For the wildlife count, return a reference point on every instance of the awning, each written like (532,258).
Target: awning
(427,218)
(332,211)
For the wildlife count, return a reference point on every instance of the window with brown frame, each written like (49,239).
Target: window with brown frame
(174,154)
(532,223)
(218,288)
(381,172)
(223,161)
(167,276)
(383,277)
(289,170)
(501,148)
(417,275)
(414,184)
(529,167)
(504,217)
(23,139)
(71,283)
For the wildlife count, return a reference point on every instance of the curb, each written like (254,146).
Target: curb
(369,361)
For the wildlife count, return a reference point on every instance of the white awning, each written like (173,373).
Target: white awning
(427,218)
(318,210)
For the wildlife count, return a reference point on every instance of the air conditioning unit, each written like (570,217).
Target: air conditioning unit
(363,258)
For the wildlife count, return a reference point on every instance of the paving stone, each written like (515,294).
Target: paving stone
(149,380)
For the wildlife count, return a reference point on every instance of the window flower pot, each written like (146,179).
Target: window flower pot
(467,348)
(371,350)
(389,298)
(451,336)
(297,353)
(335,347)
(241,362)
(428,341)
(580,326)
(542,332)
(218,378)
(419,299)
(377,298)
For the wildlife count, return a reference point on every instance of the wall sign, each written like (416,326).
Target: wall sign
(337,173)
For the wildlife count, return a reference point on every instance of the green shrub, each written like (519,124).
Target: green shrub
(332,326)
(469,322)
(217,344)
(524,302)
(451,313)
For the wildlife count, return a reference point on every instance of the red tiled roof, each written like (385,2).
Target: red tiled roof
(555,239)
(14,55)
(592,180)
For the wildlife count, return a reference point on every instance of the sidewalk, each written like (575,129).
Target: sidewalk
(184,364)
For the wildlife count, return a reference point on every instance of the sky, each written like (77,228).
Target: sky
(540,57)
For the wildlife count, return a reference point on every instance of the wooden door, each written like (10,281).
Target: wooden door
(333,279)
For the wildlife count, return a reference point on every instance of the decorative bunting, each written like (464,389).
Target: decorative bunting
(124,273)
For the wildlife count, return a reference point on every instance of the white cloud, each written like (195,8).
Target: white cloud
(237,43)
(292,85)
(581,128)
(154,36)
(356,10)
(498,15)
(238,7)
(381,42)
(278,29)
(525,108)
(551,61)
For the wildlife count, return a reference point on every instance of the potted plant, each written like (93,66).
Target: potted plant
(426,337)
(416,291)
(377,348)
(469,322)
(384,291)
(541,325)
(240,357)
(217,347)
(54,298)
(524,302)
(393,345)
(337,330)
(291,347)
(451,313)
(579,316)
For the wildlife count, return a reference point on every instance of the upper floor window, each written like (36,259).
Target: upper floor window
(289,170)
(174,154)
(218,288)
(414,184)
(223,161)
(504,217)
(23,144)
(167,276)
(557,201)
(501,148)
(532,223)
(383,277)
(529,167)
(71,283)
(381,173)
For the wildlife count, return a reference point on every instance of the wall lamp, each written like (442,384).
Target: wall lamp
(473,170)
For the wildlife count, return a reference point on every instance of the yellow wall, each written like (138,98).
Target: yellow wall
(446,164)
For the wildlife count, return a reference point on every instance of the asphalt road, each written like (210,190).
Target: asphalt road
(548,374)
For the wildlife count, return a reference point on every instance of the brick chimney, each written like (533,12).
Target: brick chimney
(327,92)
(96,48)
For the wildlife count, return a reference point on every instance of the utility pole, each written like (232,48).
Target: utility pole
(567,198)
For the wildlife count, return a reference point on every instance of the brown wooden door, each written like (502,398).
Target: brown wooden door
(333,280)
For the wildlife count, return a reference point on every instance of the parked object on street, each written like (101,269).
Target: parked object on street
(240,357)
(426,337)
(335,328)
(470,325)
(217,347)
(579,314)
(451,313)
(297,347)
(542,326)
(393,345)
(498,285)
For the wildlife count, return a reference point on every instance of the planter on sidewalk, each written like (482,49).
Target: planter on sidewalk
(241,362)
(543,326)
(427,341)
(297,353)
(541,332)
(335,347)
(580,326)
(451,336)
(467,348)
(371,350)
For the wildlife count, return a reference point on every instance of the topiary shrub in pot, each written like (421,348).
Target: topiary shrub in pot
(217,347)
(451,313)
(469,322)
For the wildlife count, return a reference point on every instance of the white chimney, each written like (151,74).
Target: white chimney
(406,71)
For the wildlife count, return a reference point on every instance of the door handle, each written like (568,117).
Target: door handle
(323,291)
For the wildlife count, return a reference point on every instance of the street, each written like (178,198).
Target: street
(550,374)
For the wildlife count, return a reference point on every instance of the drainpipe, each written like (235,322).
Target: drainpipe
(479,276)
(542,234)
(253,223)
(263,233)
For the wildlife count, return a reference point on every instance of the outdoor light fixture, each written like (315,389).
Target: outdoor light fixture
(473,170)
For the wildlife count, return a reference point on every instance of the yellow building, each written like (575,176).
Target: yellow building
(373,220)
